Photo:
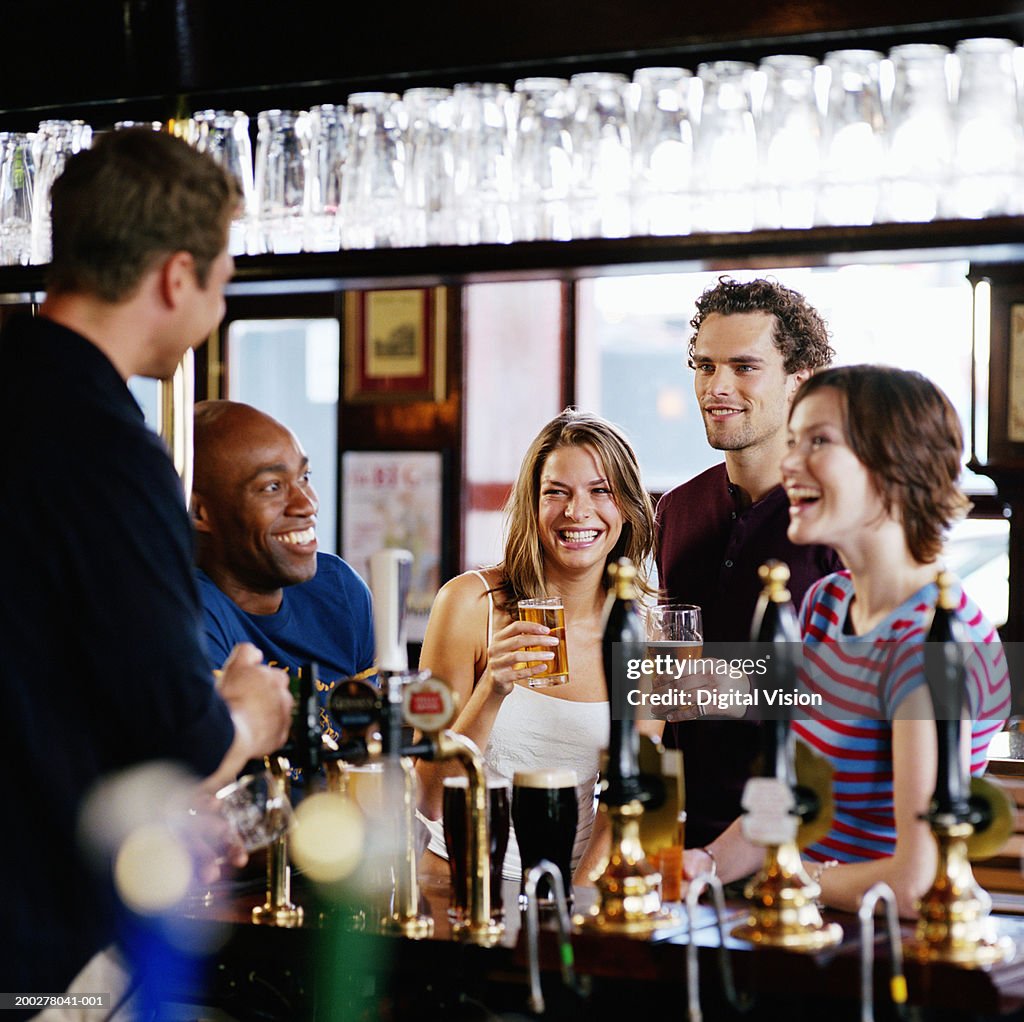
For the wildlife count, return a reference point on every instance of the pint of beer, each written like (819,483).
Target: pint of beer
(549,612)
(675,630)
(544,815)
(455,814)
(364,785)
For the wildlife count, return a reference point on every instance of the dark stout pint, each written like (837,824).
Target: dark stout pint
(545,814)
(455,815)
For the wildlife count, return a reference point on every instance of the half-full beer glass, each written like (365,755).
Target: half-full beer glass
(675,630)
(544,815)
(455,813)
(548,611)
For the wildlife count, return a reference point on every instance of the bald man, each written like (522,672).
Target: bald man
(261,577)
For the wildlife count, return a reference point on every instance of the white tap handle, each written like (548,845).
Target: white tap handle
(390,572)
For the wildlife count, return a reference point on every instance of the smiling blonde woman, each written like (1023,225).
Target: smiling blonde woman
(577,505)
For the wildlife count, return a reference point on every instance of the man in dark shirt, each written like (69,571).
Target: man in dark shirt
(104,667)
(753,345)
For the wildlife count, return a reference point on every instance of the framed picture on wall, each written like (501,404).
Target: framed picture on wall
(394,499)
(1015,383)
(395,345)
(997,399)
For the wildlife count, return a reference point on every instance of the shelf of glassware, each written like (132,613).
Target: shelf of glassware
(996,239)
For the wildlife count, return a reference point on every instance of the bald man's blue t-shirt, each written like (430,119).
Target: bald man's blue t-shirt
(327,620)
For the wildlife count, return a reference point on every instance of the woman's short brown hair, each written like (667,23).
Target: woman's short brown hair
(906,433)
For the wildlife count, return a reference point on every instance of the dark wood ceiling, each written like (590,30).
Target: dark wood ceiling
(133,57)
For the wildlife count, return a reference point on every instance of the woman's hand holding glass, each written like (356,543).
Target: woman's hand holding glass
(700,693)
(707,687)
(508,659)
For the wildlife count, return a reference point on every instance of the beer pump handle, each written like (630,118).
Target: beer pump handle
(304,743)
(946,671)
(358,709)
(775,624)
(622,641)
(391,726)
(390,576)
(783,907)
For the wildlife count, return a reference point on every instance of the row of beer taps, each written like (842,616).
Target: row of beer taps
(379,723)
(407,715)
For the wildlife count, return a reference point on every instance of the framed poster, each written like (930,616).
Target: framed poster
(394,499)
(1015,396)
(395,345)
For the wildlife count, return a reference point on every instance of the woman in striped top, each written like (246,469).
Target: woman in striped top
(872,469)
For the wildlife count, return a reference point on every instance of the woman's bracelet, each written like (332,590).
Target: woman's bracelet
(821,867)
(714,860)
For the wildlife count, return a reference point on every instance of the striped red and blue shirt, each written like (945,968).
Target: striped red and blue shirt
(862,680)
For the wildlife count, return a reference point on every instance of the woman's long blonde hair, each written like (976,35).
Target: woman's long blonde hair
(522,568)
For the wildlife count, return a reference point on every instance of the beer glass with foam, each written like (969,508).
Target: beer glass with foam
(675,630)
(545,815)
(455,814)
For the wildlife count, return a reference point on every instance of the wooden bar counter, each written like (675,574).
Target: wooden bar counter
(327,969)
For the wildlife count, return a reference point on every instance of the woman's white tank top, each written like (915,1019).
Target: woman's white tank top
(532,731)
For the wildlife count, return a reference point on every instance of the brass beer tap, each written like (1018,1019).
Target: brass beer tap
(405,917)
(371,720)
(302,748)
(783,906)
(480,928)
(953,915)
(277,908)
(428,706)
(629,901)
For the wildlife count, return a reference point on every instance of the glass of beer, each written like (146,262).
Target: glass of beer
(675,630)
(547,611)
(544,815)
(455,814)
(257,809)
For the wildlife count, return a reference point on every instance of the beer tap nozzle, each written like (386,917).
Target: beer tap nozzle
(543,869)
(740,1002)
(898,981)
